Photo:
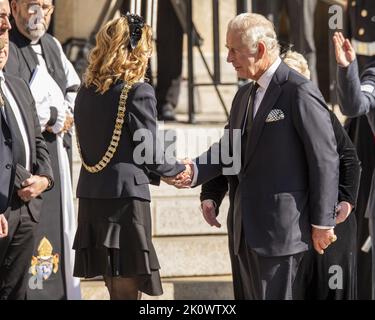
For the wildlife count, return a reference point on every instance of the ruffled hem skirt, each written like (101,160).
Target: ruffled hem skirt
(114,239)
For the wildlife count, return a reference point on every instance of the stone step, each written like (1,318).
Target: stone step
(193,256)
(200,288)
(182,216)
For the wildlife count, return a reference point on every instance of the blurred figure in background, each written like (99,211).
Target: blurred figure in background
(361,31)
(301,15)
(357,97)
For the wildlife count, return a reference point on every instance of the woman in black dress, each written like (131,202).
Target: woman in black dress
(115,119)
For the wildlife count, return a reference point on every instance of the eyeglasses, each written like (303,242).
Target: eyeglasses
(33,8)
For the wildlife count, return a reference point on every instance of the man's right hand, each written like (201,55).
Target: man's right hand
(322,239)
(3,226)
(344,51)
(209,213)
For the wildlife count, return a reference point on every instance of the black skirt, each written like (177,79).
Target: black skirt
(114,239)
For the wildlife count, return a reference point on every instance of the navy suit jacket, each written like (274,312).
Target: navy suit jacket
(290,174)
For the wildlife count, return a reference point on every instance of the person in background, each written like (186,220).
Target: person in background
(356,95)
(301,14)
(361,32)
(25,169)
(169,58)
(38,58)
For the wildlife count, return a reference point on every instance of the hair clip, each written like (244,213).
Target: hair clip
(136,23)
(285,47)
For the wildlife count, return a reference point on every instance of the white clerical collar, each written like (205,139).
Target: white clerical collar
(266,77)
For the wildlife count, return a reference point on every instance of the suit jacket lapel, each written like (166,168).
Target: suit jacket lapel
(271,96)
(26,116)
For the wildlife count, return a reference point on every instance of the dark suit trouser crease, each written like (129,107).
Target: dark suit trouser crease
(263,278)
(15,254)
(268,278)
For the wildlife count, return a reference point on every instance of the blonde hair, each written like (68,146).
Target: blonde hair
(254,28)
(297,62)
(111,60)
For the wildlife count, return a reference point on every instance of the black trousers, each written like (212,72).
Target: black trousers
(169,55)
(16,252)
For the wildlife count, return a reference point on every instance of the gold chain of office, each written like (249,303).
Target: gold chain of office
(106,159)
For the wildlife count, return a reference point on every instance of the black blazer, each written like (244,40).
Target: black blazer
(95,116)
(40,161)
(5,166)
(290,175)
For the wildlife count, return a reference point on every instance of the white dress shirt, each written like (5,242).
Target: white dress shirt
(263,82)
(17,113)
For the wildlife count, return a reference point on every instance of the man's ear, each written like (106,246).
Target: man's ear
(14,6)
(261,50)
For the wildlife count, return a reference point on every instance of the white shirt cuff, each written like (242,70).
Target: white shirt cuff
(322,227)
(195,178)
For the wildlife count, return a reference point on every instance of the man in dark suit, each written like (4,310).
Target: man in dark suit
(288,182)
(38,58)
(357,97)
(31,172)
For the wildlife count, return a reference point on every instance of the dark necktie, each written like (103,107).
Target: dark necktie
(18,149)
(248,123)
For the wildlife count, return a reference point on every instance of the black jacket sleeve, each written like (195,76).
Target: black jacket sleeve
(142,117)
(357,94)
(215,190)
(350,167)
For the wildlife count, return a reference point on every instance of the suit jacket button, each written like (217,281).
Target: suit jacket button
(361,32)
(8,166)
(364,13)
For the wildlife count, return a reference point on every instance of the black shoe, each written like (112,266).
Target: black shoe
(167,113)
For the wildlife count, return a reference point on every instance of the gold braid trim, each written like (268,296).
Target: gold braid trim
(112,148)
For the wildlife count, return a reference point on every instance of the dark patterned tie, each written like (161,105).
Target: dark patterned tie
(249,121)
(18,146)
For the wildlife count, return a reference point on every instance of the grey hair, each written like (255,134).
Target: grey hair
(255,28)
(297,62)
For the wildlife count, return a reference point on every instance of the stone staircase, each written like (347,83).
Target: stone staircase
(195,288)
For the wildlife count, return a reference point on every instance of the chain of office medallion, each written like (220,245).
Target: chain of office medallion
(106,159)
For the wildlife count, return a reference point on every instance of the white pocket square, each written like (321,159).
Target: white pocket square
(275,115)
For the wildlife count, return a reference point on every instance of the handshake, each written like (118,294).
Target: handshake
(184,179)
